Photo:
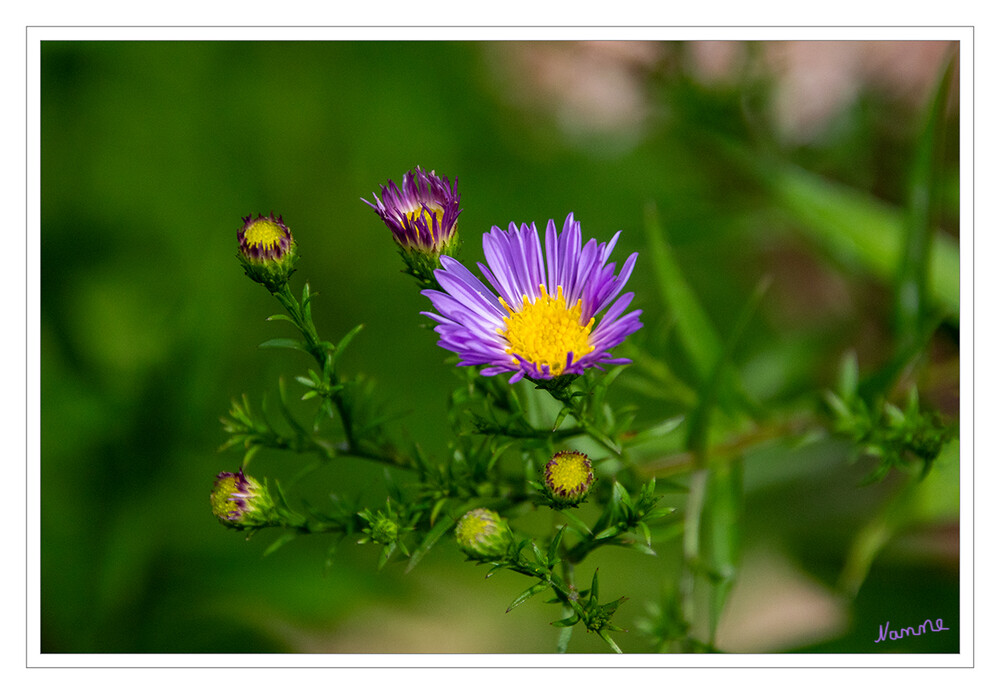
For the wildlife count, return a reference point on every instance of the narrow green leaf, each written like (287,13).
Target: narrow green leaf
(279,543)
(578,525)
(610,641)
(553,554)
(851,225)
(280,316)
(287,413)
(436,533)
(697,439)
(306,304)
(836,405)
(384,556)
(346,339)
(847,377)
(563,413)
(640,547)
(539,557)
(602,439)
(249,455)
(658,431)
(644,529)
(620,497)
(924,193)
(529,593)
(660,512)
(438,505)
(879,381)
(565,634)
(285,342)
(567,622)
(607,532)
(698,337)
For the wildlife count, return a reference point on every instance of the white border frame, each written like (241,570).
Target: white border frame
(36,659)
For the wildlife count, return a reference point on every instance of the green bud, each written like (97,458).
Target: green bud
(240,502)
(382,529)
(267,251)
(484,535)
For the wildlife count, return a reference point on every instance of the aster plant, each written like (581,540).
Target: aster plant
(545,470)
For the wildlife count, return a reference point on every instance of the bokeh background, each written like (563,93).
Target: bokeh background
(152,151)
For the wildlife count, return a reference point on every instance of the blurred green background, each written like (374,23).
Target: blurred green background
(151,153)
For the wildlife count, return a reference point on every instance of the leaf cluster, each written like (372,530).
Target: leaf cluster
(896,437)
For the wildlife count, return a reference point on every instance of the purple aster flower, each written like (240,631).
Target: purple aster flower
(421,213)
(540,319)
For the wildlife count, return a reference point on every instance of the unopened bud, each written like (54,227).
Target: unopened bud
(240,502)
(482,534)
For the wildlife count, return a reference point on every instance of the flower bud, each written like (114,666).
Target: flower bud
(267,251)
(240,502)
(482,534)
(569,476)
(422,215)
(382,529)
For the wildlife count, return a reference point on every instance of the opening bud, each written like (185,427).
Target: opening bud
(267,250)
(422,215)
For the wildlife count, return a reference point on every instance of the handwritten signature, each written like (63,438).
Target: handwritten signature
(895,634)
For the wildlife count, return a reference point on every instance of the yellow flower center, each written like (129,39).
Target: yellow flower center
(436,212)
(569,472)
(224,503)
(545,330)
(265,234)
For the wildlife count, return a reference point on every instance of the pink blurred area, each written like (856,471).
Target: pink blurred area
(594,87)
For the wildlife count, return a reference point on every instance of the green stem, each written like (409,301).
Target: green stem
(583,548)
(692,539)
(306,327)
(321,353)
(545,574)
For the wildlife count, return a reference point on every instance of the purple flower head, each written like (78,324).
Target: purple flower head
(421,213)
(540,318)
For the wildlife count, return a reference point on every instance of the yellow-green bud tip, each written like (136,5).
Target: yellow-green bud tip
(569,476)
